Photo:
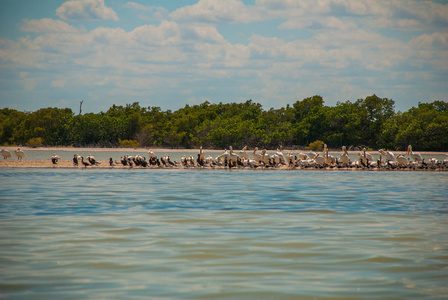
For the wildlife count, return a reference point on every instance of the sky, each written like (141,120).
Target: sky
(169,53)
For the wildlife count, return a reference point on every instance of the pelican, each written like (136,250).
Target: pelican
(243,153)
(281,156)
(415,156)
(233,157)
(19,153)
(329,159)
(264,157)
(151,154)
(5,153)
(367,155)
(201,154)
(257,157)
(291,159)
(345,159)
(389,155)
(401,160)
(319,159)
(302,156)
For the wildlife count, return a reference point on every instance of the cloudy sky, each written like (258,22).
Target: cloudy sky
(169,53)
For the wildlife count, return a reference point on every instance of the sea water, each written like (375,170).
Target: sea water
(220,234)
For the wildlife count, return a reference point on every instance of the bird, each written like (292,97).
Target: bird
(92,160)
(367,155)
(401,160)
(257,157)
(151,154)
(75,160)
(5,153)
(329,159)
(84,162)
(201,155)
(111,162)
(281,156)
(243,153)
(55,158)
(19,153)
(320,160)
(415,156)
(389,155)
(344,159)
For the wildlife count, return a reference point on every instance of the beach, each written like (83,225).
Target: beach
(44,154)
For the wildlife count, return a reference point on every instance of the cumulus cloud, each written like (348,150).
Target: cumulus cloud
(46,25)
(215,11)
(77,10)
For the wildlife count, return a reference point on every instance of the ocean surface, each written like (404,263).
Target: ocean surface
(222,234)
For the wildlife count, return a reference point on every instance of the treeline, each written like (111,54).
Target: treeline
(372,122)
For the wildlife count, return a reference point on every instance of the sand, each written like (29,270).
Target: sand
(39,163)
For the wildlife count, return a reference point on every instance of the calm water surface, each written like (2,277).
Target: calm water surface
(170,234)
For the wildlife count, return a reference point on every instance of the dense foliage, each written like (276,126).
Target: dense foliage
(371,122)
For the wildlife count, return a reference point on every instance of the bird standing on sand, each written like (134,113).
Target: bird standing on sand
(415,156)
(84,162)
(55,158)
(5,153)
(75,160)
(19,153)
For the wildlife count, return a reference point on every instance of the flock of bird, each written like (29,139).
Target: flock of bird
(261,159)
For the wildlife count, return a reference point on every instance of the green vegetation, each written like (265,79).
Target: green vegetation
(371,122)
(128,143)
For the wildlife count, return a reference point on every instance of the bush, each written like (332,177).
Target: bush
(128,143)
(316,145)
(34,142)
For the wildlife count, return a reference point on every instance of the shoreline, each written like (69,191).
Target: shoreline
(161,150)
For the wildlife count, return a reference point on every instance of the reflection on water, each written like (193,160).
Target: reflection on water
(223,234)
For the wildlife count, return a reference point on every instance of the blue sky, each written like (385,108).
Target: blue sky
(172,53)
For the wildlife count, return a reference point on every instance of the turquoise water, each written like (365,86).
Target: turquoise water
(192,234)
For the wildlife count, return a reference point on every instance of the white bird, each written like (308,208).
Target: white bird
(291,159)
(319,159)
(201,154)
(233,157)
(415,156)
(329,159)
(401,160)
(5,153)
(243,153)
(345,159)
(281,156)
(264,157)
(19,153)
(151,154)
(257,157)
(389,155)
(302,156)
(367,155)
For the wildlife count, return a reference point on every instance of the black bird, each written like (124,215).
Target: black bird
(84,162)
(54,159)
(111,162)
(75,160)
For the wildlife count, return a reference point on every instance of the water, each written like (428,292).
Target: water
(170,234)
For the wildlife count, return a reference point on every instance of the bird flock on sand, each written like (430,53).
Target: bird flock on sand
(262,160)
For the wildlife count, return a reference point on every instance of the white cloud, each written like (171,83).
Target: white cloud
(215,11)
(77,10)
(60,83)
(46,25)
